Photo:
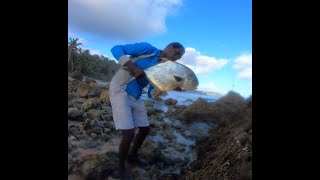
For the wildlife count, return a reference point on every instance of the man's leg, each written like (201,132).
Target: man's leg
(123,120)
(138,141)
(127,137)
(140,119)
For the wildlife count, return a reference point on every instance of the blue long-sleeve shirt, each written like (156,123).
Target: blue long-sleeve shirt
(134,87)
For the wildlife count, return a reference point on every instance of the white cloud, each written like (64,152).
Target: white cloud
(243,61)
(201,64)
(97,52)
(245,73)
(81,40)
(243,64)
(127,19)
(70,33)
(209,87)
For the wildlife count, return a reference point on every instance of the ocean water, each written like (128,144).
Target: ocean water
(184,98)
(187,98)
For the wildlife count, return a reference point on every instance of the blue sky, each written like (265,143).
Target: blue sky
(217,34)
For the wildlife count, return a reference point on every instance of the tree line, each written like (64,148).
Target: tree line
(82,62)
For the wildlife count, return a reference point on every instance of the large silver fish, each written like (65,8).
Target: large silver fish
(169,75)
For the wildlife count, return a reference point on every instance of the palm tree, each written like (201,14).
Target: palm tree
(72,48)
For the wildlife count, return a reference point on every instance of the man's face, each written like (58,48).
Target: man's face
(174,53)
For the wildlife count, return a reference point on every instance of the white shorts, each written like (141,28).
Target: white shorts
(128,113)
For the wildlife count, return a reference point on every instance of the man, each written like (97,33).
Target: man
(125,90)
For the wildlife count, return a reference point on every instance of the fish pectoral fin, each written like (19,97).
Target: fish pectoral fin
(177,78)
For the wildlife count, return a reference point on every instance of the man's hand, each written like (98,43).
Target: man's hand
(136,71)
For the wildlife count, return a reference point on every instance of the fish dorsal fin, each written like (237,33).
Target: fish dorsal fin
(177,78)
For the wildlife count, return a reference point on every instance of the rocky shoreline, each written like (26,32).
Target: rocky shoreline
(172,148)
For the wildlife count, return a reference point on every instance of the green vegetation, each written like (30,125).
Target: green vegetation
(80,61)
